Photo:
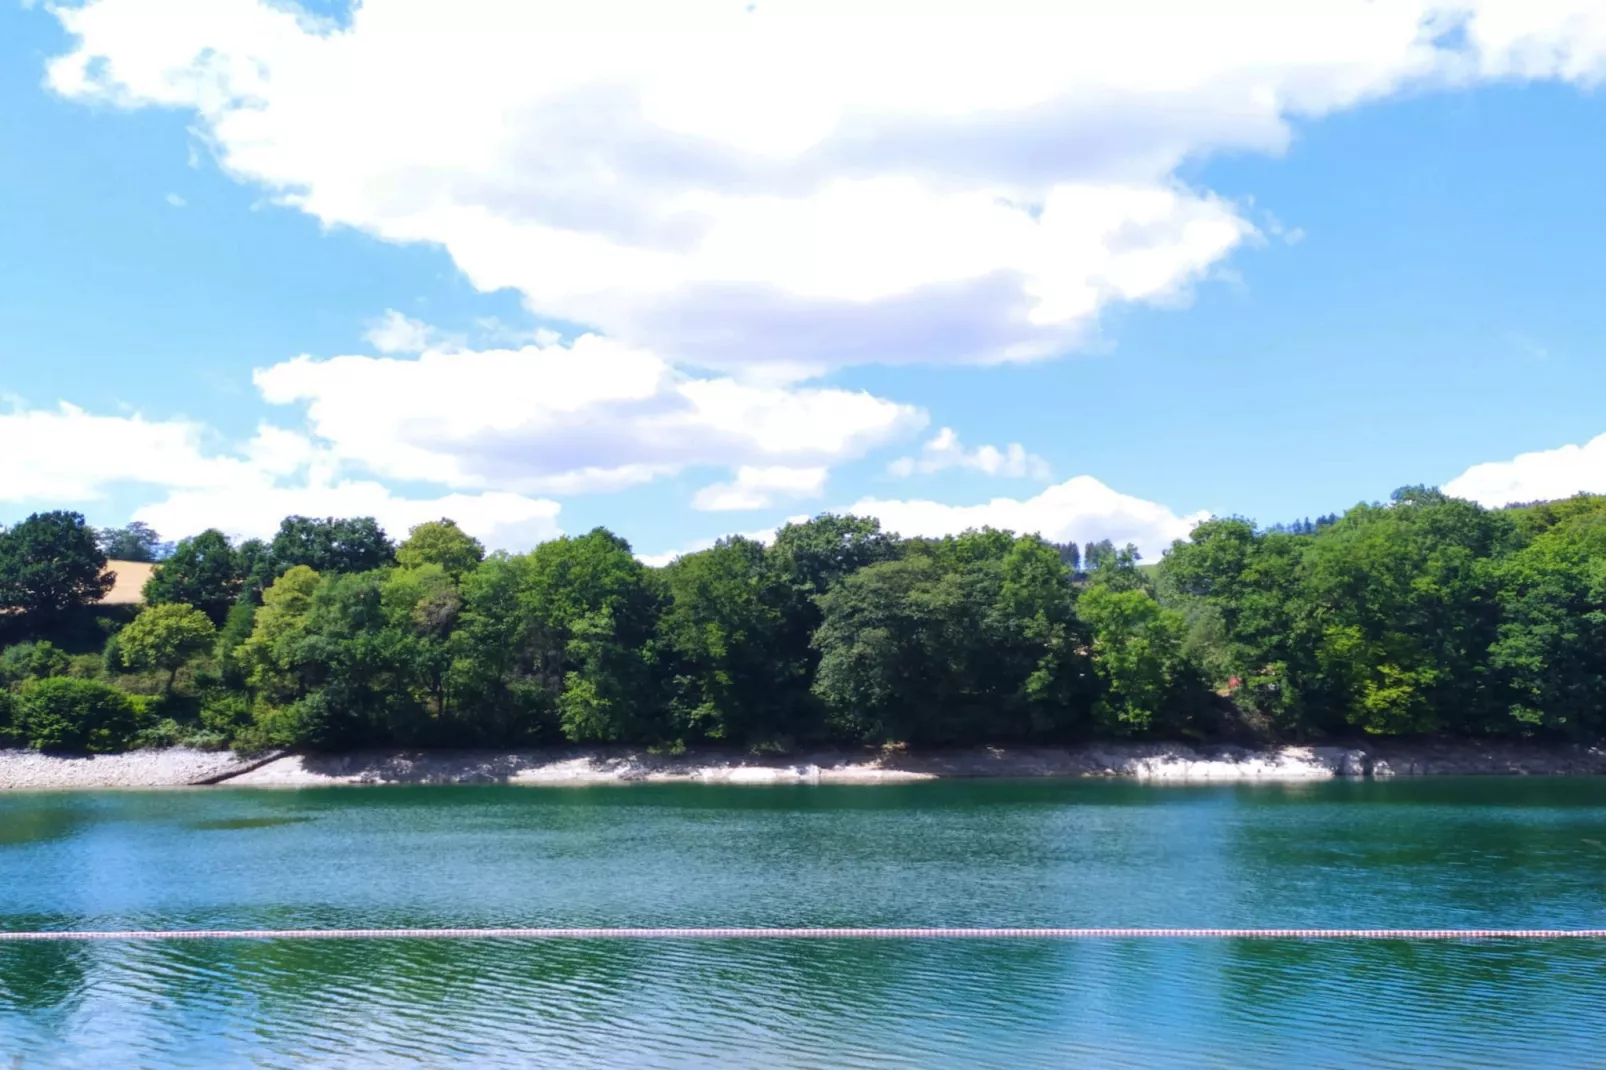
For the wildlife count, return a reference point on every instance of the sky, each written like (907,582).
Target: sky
(688,269)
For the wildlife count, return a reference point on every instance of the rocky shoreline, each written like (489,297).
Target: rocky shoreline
(1158,762)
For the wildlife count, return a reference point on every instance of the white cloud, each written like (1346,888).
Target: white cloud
(68,457)
(253,510)
(1538,476)
(763,535)
(755,488)
(804,183)
(176,201)
(596,415)
(396,332)
(1079,509)
(945,450)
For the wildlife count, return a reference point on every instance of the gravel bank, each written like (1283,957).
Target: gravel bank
(1143,761)
(177,767)
(1164,762)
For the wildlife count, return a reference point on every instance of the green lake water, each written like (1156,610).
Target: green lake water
(1494,853)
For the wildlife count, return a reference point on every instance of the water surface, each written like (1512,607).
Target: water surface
(1487,853)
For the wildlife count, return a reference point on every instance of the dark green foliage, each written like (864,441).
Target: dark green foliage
(354,544)
(724,632)
(135,542)
(32,661)
(962,640)
(51,563)
(203,571)
(64,715)
(1097,553)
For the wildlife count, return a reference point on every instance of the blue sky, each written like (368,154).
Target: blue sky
(1378,266)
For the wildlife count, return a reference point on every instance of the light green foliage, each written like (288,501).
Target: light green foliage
(64,715)
(1137,654)
(443,543)
(166,638)
(267,657)
(1552,641)
(1405,602)
(203,571)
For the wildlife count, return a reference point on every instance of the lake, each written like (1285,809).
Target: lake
(1452,853)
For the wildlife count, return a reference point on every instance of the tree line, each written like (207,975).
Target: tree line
(1424,615)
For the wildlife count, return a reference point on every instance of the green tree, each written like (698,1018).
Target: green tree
(723,634)
(203,571)
(1404,597)
(50,563)
(499,658)
(133,542)
(591,609)
(66,715)
(1097,553)
(330,545)
(443,543)
(1137,654)
(1551,649)
(961,640)
(268,658)
(166,638)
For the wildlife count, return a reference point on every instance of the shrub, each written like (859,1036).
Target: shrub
(62,714)
(32,661)
(225,713)
(164,733)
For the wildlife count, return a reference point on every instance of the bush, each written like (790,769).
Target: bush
(61,714)
(225,713)
(164,733)
(32,661)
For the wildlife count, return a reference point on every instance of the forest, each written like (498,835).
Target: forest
(1424,615)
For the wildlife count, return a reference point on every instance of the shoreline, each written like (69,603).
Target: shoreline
(1171,763)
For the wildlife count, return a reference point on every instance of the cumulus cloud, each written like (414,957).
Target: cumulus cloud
(799,184)
(1079,510)
(945,450)
(1537,476)
(69,457)
(253,510)
(755,488)
(592,416)
(396,332)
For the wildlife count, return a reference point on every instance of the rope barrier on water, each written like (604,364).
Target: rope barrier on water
(803,934)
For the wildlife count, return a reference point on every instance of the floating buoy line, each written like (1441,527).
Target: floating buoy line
(734,933)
